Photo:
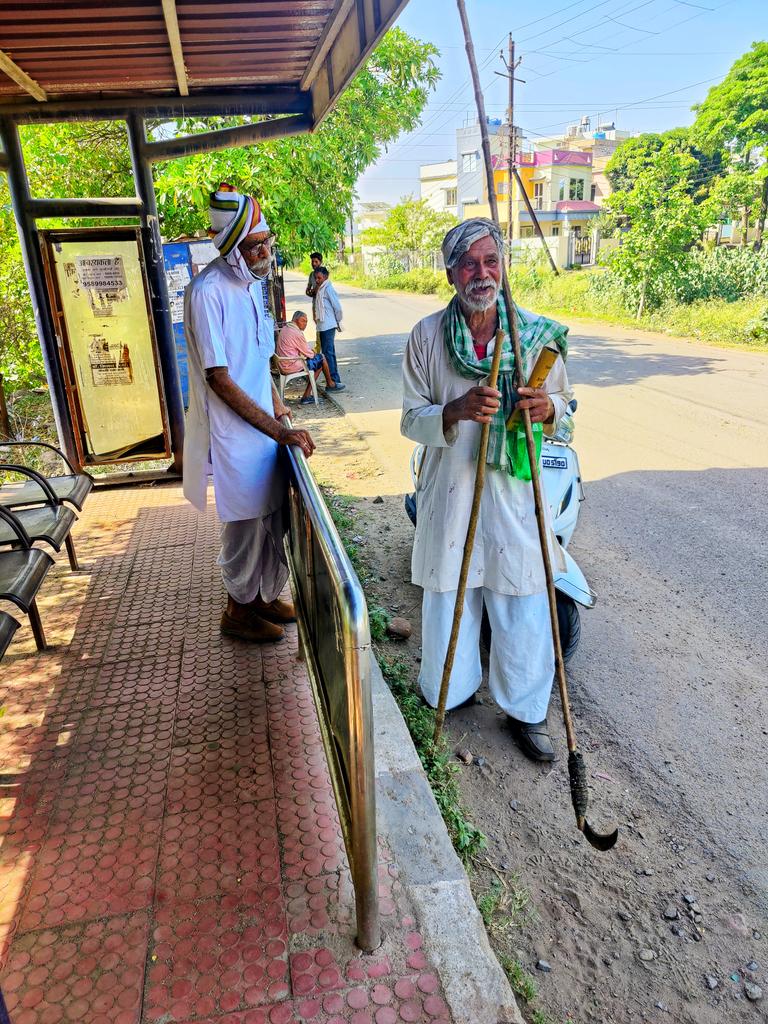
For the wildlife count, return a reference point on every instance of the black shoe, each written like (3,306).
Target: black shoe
(533,739)
(468,703)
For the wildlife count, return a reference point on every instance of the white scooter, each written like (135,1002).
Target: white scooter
(561,480)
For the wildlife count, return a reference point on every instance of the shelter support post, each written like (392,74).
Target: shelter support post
(18,186)
(158,286)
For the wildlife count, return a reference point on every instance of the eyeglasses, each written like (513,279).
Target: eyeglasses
(248,247)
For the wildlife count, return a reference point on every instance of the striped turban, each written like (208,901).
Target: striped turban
(233,217)
(464,235)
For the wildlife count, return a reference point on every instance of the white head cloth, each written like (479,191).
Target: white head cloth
(459,239)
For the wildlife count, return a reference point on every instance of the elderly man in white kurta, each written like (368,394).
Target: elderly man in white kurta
(446,362)
(233,427)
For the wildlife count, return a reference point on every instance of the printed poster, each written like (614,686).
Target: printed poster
(108,330)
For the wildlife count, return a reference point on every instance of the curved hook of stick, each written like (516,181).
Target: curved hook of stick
(577,773)
(600,841)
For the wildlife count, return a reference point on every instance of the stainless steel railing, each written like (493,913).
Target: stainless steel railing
(336,641)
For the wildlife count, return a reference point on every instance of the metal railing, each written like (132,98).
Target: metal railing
(336,641)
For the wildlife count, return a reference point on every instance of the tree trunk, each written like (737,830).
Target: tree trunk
(5,421)
(643,290)
(745,227)
(762,215)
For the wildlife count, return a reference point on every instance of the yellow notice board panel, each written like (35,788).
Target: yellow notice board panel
(105,322)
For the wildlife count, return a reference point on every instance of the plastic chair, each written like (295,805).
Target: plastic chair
(285,378)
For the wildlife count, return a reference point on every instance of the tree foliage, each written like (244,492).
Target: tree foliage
(306,183)
(412,226)
(634,156)
(663,222)
(735,112)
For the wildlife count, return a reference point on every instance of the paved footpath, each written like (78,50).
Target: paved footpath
(171,850)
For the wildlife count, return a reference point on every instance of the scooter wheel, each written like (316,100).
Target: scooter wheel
(569,623)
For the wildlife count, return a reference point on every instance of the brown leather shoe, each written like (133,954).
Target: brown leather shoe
(254,629)
(276,611)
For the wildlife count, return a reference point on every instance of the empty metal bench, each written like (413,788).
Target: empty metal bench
(72,487)
(21,575)
(50,522)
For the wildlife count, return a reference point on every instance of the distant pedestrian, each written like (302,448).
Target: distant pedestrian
(293,348)
(326,309)
(316,259)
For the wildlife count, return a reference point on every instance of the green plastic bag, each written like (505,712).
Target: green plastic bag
(517,450)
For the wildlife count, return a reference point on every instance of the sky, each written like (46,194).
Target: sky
(640,63)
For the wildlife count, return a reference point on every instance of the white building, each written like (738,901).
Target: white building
(438,186)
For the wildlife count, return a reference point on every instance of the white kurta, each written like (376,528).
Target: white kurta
(506,557)
(226,325)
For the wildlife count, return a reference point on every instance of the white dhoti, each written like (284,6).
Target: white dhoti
(522,663)
(252,560)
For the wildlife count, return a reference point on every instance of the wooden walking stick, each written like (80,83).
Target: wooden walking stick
(576,767)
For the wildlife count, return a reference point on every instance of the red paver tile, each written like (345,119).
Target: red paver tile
(314,972)
(92,973)
(217,956)
(218,849)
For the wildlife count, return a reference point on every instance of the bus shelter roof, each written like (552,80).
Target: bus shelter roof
(86,59)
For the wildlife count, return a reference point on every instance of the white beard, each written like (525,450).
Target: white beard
(477,304)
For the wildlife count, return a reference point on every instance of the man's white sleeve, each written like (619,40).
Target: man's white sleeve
(207,321)
(422,419)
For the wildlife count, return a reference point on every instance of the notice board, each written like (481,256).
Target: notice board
(110,361)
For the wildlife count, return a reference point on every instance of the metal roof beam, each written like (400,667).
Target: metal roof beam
(326,41)
(21,78)
(253,101)
(177,51)
(226,138)
(109,207)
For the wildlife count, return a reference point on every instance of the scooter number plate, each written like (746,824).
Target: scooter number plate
(550,462)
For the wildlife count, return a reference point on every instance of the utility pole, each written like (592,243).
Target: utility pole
(512,65)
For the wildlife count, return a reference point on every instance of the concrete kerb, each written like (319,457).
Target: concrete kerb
(476,988)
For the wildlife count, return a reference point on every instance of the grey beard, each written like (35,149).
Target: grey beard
(473,305)
(259,270)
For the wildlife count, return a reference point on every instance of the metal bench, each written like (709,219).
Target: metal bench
(8,626)
(72,487)
(21,575)
(50,522)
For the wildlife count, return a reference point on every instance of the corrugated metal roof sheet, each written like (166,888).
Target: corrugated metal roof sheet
(90,48)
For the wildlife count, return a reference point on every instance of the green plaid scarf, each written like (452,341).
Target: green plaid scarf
(507,454)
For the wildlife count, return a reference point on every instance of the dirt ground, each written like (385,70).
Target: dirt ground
(661,929)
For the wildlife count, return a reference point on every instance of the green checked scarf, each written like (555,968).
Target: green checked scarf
(507,453)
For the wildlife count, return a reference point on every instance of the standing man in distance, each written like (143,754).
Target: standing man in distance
(326,310)
(233,422)
(316,259)
(447,359)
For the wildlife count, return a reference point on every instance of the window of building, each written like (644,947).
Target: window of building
(561,190)
(469,162)
(555,231)
(592,192)
(576,188)
(451,196)
(526,231)
(502,188)
(538,195)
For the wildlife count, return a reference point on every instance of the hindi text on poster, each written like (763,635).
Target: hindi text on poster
(101,273)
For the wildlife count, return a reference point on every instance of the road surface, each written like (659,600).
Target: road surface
(673,441)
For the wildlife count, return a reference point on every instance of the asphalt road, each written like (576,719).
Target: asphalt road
(673,441)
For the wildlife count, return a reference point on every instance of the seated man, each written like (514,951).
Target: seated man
(291,343)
